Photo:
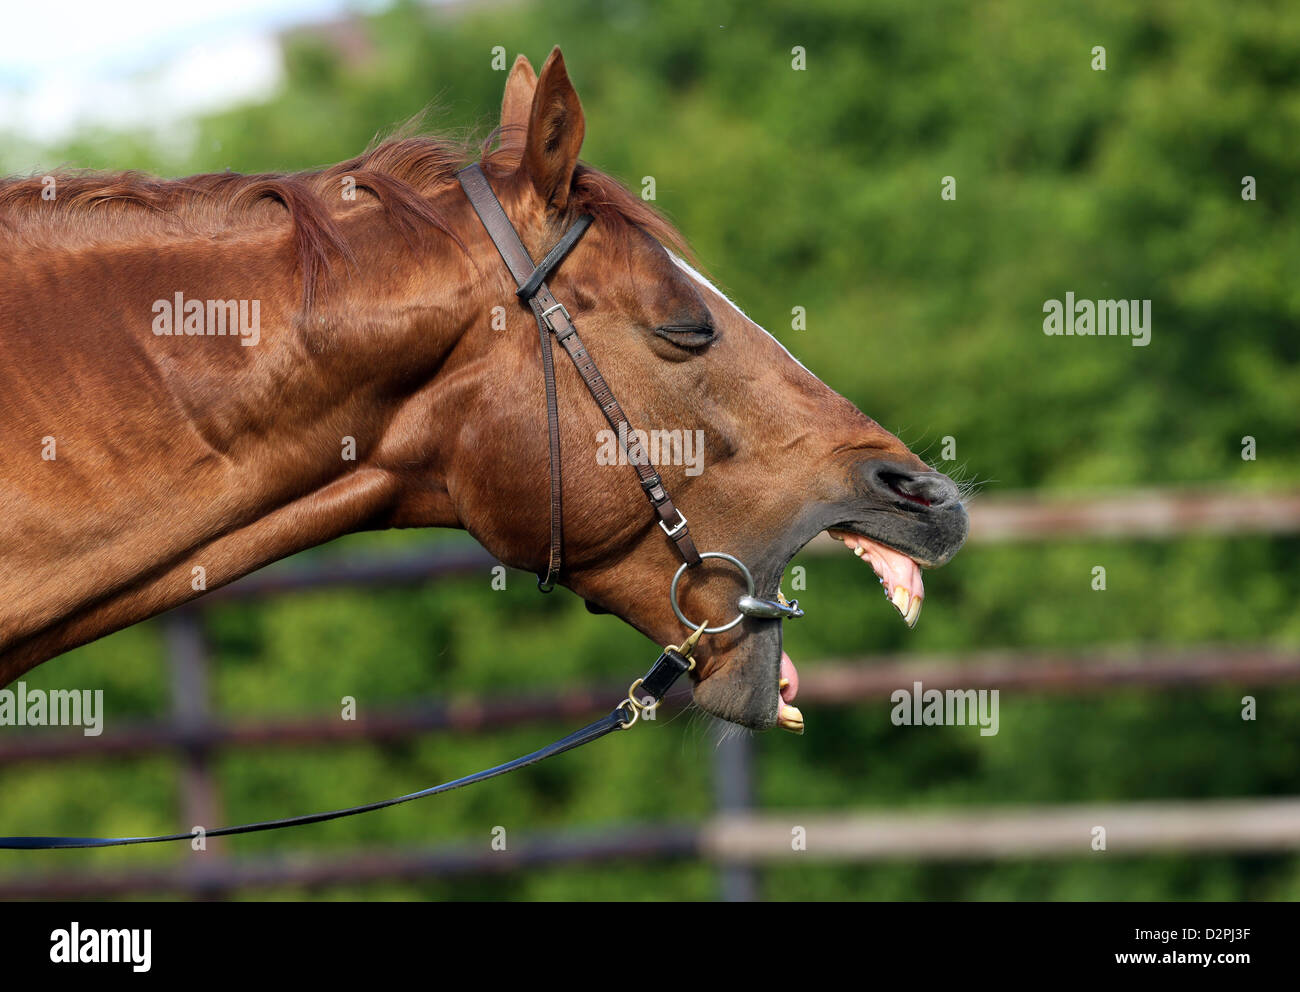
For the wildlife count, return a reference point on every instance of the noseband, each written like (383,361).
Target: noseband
(645,693)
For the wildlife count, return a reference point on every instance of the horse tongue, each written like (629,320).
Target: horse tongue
(788,717)
(789,679)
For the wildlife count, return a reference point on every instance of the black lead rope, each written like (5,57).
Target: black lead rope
(667,669)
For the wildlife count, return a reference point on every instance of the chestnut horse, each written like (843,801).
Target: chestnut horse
(374,369)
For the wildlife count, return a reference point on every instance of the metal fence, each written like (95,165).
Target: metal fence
(737,838)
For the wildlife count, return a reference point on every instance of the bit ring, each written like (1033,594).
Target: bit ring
(672,591)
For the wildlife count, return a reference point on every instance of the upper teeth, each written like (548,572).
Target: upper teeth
(902,600)
(914,613)
(908,605)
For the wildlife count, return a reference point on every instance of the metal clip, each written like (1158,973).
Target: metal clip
(687,646)
(634,707)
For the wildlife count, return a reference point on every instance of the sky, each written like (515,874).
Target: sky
(140,63)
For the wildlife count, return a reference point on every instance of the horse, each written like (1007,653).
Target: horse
(204,375)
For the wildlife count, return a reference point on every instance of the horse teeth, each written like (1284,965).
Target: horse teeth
(888,572)
(782,683)
(902,600)
(789,718)
(914,613)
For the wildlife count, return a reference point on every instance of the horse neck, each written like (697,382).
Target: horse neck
(181,463)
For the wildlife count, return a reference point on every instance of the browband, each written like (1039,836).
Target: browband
(553,258)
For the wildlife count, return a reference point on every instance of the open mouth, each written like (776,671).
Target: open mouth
(894,520)
(899,575)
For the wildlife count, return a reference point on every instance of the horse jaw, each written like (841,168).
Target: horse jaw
(744,685)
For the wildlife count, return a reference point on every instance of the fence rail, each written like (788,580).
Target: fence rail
(1255,825)
(206,875)
(737,839)
(839,683)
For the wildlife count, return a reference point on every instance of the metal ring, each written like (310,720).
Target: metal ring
(635,713)
(649,707)
(672,591)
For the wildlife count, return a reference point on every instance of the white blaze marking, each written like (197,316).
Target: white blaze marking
(685,267)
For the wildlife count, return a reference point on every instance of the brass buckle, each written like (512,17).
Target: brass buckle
(635,707)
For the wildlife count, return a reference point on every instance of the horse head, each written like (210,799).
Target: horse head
(759,454)
(408,393)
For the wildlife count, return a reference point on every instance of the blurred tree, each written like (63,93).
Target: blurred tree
(820,188)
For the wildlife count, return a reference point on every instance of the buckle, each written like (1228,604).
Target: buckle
(677,527)
(650,485)
(546,316)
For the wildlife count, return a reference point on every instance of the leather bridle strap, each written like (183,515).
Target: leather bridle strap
(521,267)
(672,664)
(553,318)
(553,258)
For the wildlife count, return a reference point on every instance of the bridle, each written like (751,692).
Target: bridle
(646,693)
(554,318)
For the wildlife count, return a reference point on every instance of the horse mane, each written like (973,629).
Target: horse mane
(101,208)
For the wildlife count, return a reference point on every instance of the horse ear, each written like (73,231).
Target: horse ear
(517,105)
(555,130)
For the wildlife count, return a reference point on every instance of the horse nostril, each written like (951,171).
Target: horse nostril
(930,489)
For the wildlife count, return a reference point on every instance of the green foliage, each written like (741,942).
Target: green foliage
(821,189)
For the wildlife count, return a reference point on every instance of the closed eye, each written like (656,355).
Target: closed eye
(690,336)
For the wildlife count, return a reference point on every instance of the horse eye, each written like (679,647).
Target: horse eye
(686,335)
